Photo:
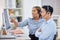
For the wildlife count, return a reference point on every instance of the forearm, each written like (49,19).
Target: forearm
(20,24)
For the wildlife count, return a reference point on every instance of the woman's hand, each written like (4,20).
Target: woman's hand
(16,31)
(13,21)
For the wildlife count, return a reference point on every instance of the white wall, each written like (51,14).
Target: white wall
(10,4)
(1,10)
(54,3)
(27,7)
(27,10)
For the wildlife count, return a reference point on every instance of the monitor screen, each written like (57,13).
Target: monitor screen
(6,19)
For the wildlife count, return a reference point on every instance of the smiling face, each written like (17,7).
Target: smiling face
(35,13)
(45,14)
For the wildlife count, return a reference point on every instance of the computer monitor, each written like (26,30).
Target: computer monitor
(6,19)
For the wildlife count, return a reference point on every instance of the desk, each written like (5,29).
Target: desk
(22,38)
(18,38)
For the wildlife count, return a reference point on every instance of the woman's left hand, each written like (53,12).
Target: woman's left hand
(16,31)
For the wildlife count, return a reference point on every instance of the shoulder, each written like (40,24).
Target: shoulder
(52,24)
(29,19)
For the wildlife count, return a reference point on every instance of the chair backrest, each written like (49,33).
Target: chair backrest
(54,37)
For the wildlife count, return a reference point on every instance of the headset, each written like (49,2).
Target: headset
(47,9)
(39,12)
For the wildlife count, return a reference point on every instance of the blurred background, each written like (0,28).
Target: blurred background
(22,9)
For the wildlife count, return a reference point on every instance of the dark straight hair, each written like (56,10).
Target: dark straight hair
(48,8)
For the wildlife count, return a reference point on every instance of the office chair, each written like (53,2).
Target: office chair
(54,37)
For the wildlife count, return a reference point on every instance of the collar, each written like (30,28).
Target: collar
(49,20)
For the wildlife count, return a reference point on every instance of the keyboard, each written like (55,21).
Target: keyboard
(7,37)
